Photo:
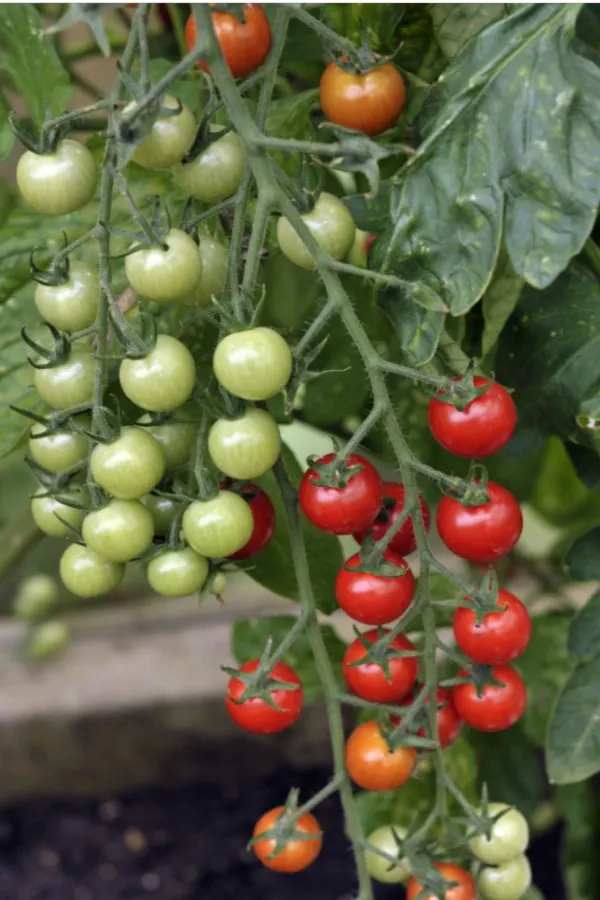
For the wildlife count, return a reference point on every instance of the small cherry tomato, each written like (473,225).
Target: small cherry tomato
(499,637)
(330,224)
(255,714)
(369,679)
(254,364)
(216,173)
(379,868)
(53,517)
(498,707)
(246,447)
(404,540)
(163,510)
(47,639)
(506,882)
(344,509)
(36,597)
(245,45)
(374,599)
(71,383)
(465,886)
(509,836)
(482,428)
(166,273)
(214,273)
(364,101)
(218,527)
(448,724)
(481,533)
(177,573)
(177,439)
(58,183)
(129,466)
(72,305)
(161,381)
(86,574)
(60,450)
(372,765)
(263,515)
(170,136)
(120,531)
(296,854)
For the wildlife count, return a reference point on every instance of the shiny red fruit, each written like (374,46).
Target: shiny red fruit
(342,510)
(255,714)
(404,540)
(498,707)
(369,680)
(374,599)
(263,514)
(481,533)
(482,428)
(499,637)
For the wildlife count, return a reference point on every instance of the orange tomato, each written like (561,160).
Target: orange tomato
(295,855)
(465,889)
(245,45)
(371,764)
(367,101)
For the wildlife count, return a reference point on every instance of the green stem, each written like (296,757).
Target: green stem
(328,35)
(435,381)
(178,27)
(318,148)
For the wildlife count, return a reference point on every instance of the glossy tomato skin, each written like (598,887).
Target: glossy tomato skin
(58,183)
(165,274)
(163,510)
(464,890)
(384,838)
(245,447)
(50,515)
(177,439)
(245,45)
(374,599)
(371,765)
(368,680)
(216,173)
(509,836)
(177,573)
(255,364)
(296,855)
(257,716)
(58,450)
(485,426)
(342,510)
(481,533)
(86,574)
(498,707)
(70,383)
(404,540)
(73,305)
(263,515)
(129,466)
(120,531)
(369,102)
(330,224)
(214,273)
(219,526)
(508,881)
(448,723)
(161,381)
(170,137)
(500,637)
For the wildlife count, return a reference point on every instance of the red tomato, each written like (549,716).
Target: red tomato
(245,45)
(296,854)
(404,541)
(263,514)
(342,510)
(448,723)
(368,680)
(255,714)
(371,764)
(498,707)
(374,599)
(369,241)
(482,428)
(465,888)
(366,101)
(500,636)
(481,533)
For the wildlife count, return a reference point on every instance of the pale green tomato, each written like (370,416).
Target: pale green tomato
(218,527)
(69,384)
(214,273)
(58,183)
(36,597)
(87,574)
(46,512)
(246,447)
(60,450)
(73,305)
(170,137)
(177,573)
(177,439)
(506,882)
(254,364)
(47,640)
(331,225)
(379,868)
(216,173)
(130,466)
(163,380)
(120,531)
(165,275)
(509,836)
(219,583)
(162,510)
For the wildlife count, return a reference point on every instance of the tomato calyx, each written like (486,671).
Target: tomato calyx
(480,675)
(335,473)
(471,492)
(55,355)
(431,880)
(259,683)
(57,274)
(284,828)
(48,138)
(375,563)
(461,390)
(380,651)
(485,599)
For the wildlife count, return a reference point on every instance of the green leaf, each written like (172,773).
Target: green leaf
(510,767)
(543,667)
(370,213)
(7,138)
(418,329)
(191,90)
(499,301)
(573,742)
(29,60)
(581,838)
(454,24)
(250,637)
(584,633)
(582,562)
(406,806)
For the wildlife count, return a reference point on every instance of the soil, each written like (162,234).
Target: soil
(184,843)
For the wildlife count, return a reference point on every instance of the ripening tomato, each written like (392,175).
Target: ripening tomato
(245,45)
(498,707)
(70,383)
(404,540)
(375,599)
(464,890)
(162,380)
(296,854)
(255,714)
(481,533)
(499,637)
(372,765)
(364,101)
(369,679)
(341,510)
(448,723)
(168,272)
(482,428)
(263,515)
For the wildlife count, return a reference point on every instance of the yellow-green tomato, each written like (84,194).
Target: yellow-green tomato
(218,527)
(60,182)
(177,573)
(120,531)
(161,381)
(163,510)
(177,439)
(214,273)
(219,583)
(50,515)
(379,868)
(509,836)
(246,447)
(70,383)
(216,173)
(47,640)
(60,450)
(130,466)
(168,273)
(254,364)
(36,597)
(506,882)
(331,225)
(73,305)
(87,574)
(170,137)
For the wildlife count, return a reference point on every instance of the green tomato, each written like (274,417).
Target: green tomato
(163,510)
(177,439)
(120,531)
(47,510)
(217,172)
(219,583)
(47,640)
(36,597)
(357,255)
(379,868)
(254,364)
(246,447)
(58,183)
(509,836)
(214,273)
(71,306)
(71,383)
(177,573)
(87,574)
(130,466)
(60,450)
(170,137)
(161,381)
(165,275)
(331,225)
(219,527)
(506,882)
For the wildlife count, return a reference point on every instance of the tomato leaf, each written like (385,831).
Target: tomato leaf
(418,329)
(7,138)
(584,633)
(581,837)
(573,742)
(510,767)
(499,301)
(455,24)
(370,213)
(582,562)
(543,667)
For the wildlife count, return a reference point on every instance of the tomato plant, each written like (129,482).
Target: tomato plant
(403,540)
(372,765)
(373,598)
(369,102)
(499,637)
(509,836)
(245,42)
(483,427)
(350,502)
(295,855)
(494,707)
(464,886)
(481,533)
(370,680)
(259,715)
(263,517)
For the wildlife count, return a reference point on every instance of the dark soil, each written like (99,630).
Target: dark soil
(185,843)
